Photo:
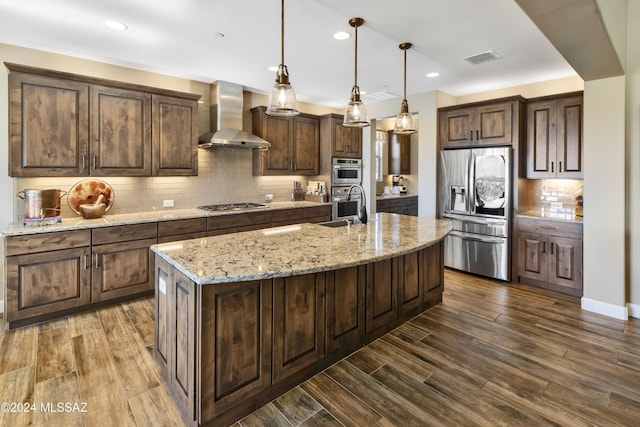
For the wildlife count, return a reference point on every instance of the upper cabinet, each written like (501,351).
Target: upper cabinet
(399,153)
(63,124)
(295,144)
(489,124)
(554,137)
(175,125)
(345,142)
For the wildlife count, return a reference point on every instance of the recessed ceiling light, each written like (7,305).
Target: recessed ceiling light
(273,68)
(341,35)
(430,75)
(115,25)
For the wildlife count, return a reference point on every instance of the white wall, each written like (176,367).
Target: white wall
(604,195)
(633,158)
(424,107)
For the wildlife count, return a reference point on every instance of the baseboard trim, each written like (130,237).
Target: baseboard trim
(634,310)
(605,308)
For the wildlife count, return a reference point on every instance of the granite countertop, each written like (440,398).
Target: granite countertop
(300,249)
(79,223)
(554,216)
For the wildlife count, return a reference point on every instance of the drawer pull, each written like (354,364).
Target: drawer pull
(551,248)
(86,261)
(97,260)
(544,247)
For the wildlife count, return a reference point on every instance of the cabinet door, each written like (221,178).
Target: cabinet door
(298,323)
(456,127)
(345,308)
(565,262)
(382,297)
(121,269)
(399,153)
(541,139)
(120,132)
(163,299)
(340,143)
(410,289)
(175,139)
(43,283)
(305,146)
(532,256)
(236,362)
(353,136)
(48,126)
(569,138)
(277,159)
(492,124)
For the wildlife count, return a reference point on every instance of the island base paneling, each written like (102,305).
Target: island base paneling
(226,349)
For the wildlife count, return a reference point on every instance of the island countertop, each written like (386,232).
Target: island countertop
(299,249)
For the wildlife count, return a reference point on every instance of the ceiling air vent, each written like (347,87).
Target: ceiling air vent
(482,57)
(380,96)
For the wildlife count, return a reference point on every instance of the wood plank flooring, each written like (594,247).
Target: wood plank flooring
(489,355)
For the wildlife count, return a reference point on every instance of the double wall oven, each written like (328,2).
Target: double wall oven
(344,174)
(475,195)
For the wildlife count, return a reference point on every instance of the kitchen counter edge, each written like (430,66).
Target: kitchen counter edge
(79,223)
(551,216)
(300,249)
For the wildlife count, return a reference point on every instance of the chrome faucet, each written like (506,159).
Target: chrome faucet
(362,213)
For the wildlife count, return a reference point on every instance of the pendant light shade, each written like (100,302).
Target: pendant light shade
(355,114)
(405,123)
(282,98)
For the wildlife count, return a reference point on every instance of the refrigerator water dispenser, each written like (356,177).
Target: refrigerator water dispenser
(458,198)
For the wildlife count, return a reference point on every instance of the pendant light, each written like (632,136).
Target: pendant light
(356,113)
(282,99)
(404,121)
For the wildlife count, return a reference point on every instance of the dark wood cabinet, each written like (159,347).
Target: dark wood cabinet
(182,229)
(225,224)
(176,335)
(382,297)
(317,214)
(399,154)
(554,137)
(345,299)
(119,132)
(48,126)
(63,124)
(295,144)
(550,255)
(404,205)
(485,124)
(338,140)
(175,136)
(298,323)
(46,273)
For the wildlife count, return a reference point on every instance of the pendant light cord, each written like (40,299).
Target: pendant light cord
(282,32)
(405,73)
(355,74)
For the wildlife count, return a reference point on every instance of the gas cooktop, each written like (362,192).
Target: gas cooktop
(231,206)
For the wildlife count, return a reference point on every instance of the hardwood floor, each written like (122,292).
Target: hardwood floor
(489,355)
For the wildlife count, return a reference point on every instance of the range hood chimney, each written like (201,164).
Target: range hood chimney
(226,115)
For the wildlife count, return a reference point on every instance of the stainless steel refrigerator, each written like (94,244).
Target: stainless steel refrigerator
(475,194)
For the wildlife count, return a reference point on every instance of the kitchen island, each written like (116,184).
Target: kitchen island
(242,318)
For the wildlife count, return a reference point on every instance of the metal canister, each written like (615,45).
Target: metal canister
(41,203)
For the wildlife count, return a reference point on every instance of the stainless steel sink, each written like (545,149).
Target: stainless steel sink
(336,223)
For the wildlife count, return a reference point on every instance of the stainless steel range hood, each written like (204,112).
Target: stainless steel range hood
(226,120)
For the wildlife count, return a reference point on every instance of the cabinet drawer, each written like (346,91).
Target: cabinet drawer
(397,203)
(552,228)
(185,236)
(317,211)
(43,242)
(124,233)
(288,215)
(239,220)
(182,226)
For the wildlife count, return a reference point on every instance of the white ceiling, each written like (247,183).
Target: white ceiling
(177,37)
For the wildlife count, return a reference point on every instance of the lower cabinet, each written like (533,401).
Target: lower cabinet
(550,255)
(407,205)
(45,279)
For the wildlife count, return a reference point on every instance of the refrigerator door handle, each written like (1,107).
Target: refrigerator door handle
(473,220)
(477,238)
(472,187)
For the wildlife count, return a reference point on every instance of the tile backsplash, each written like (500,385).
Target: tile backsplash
(553,195)
(224,176)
